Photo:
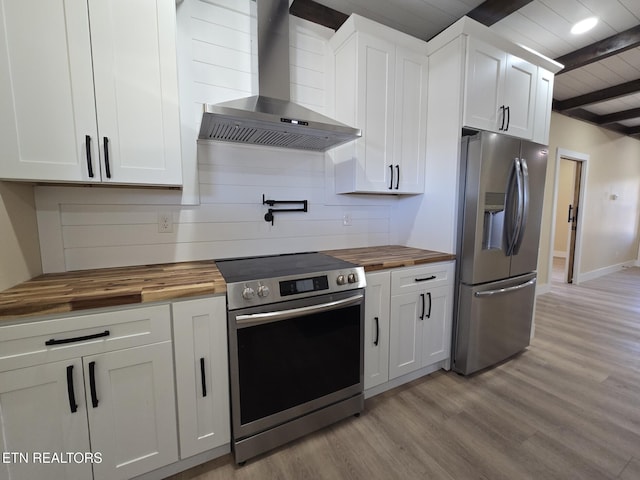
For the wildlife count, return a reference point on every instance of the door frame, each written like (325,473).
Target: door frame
(577,157)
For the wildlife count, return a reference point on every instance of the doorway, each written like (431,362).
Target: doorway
(570,181)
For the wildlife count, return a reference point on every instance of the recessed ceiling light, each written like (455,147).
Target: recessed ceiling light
(584,25)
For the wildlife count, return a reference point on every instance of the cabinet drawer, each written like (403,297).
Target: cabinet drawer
(413,279)
(25,344)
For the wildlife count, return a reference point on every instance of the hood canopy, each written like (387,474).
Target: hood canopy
(271,119)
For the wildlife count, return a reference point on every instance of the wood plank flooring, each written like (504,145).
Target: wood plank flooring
(566,408)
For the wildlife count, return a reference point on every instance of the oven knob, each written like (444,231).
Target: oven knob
(248,293)
(263,291)
(352,278)
(341,280)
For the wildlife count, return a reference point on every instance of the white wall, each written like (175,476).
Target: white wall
(83,228)
(610,231)
(19,252)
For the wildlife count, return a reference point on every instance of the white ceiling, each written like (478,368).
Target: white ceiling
(542,25)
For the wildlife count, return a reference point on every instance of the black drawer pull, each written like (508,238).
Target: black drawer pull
(376,341)
(53,341)
(73,406)
(92,384)
(203,378)
(425,279)
(87,143)
(107,167)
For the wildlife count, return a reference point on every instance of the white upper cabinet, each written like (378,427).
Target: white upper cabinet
(544,101)
(88,92)
(500,91)
(381,88)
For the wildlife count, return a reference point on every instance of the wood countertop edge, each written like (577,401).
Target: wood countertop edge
(77,303)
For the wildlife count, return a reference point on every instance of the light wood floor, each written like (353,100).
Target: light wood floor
(567,408)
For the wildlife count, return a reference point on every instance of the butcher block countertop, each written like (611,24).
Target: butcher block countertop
(110,287)
(391,256)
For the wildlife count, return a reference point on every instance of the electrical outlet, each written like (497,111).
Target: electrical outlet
(165,222)
(346,220)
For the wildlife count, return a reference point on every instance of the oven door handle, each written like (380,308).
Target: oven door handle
(252,319)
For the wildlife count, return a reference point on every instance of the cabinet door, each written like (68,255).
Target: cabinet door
(35,403)
(436,325)
(131,409)
(410,126)
(202,384)
(376,84)
(405,348)
(136,91)
(484,87)
(47,107)
(519,97)
(376,329)
(544,101)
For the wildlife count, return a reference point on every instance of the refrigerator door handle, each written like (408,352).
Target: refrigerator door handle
(511,217)
(524,174)
(506,290)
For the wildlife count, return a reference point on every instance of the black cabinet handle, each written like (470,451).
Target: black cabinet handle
(72,395)
(423,306)
(87,144)
(203,378)
(107,167)
(92,384)
(53,341)
(375,342)
(429,311)
(432,277)
(391,179)
(397,176)
(508,109)
(503,115)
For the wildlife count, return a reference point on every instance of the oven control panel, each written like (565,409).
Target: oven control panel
(271,290)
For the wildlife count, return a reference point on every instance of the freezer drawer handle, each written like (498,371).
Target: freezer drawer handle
(506,290)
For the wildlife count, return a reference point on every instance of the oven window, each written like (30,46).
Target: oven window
(290,362)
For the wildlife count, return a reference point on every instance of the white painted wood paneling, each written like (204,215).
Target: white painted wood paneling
(92,228)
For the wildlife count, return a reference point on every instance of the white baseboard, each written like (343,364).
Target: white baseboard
(593,274)
(559,254)
(542,288)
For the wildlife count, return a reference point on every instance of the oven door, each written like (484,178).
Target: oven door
(292,358)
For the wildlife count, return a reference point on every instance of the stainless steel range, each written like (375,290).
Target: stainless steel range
(296,329)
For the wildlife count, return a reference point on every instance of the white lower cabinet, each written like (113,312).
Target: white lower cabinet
(409,311)
(200,346)
(36,417)
(421,330)
(376,329)
(131,410)
(97,401)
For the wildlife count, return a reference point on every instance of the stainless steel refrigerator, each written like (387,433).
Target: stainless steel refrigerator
(500,209)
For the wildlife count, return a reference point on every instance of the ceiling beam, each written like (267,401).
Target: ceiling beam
(595,52)
(492,11)
(598,96)
(619,116)
(317,13)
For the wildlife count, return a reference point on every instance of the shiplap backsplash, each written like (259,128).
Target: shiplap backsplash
(82,228)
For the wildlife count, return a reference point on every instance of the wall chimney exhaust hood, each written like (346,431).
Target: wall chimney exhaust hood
(270,118)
